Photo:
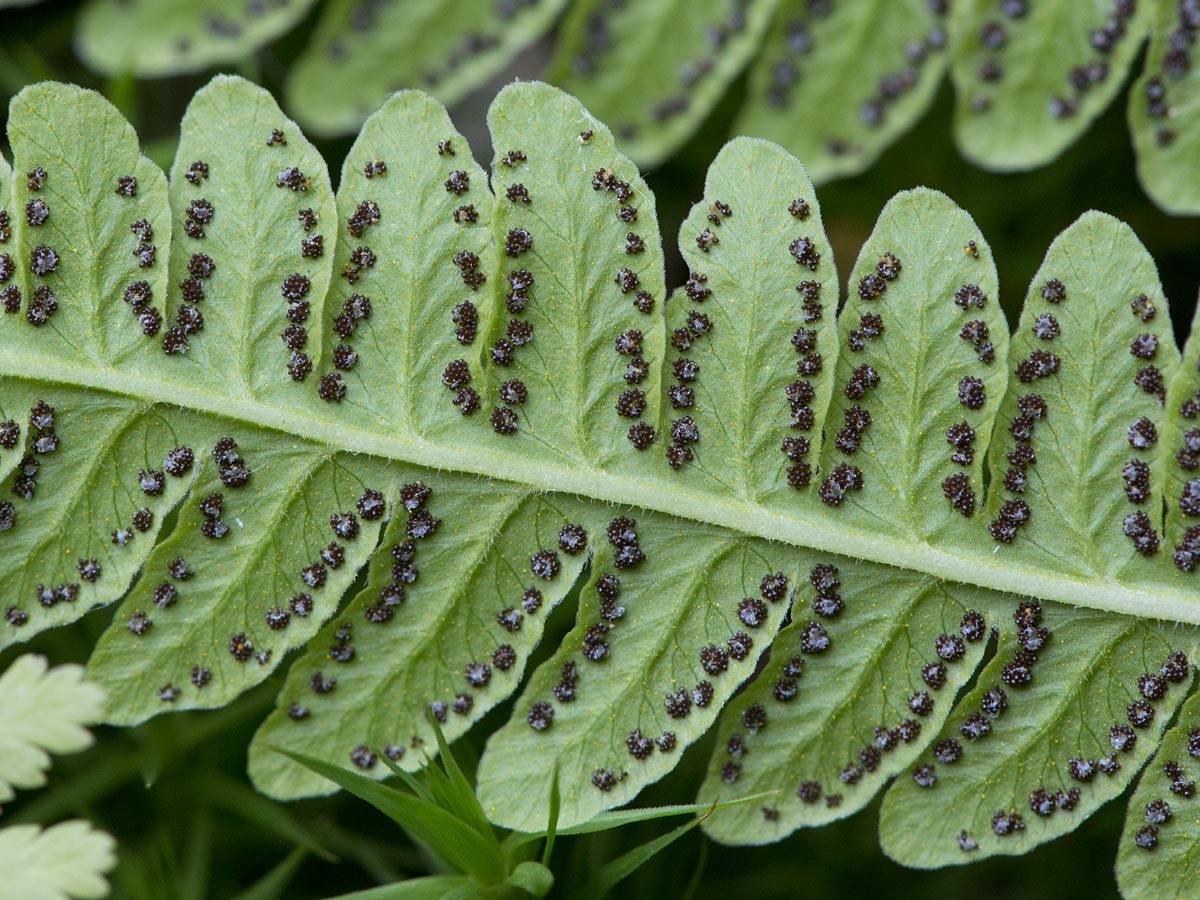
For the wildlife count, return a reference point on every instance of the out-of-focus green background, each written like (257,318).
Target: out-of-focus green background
(197,832)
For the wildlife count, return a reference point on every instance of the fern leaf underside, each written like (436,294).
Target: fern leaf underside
(233,390)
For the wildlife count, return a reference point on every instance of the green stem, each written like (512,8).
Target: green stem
(996,571)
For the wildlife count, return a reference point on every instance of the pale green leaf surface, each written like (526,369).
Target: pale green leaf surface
(1180,453)
(254,240)
(7,248)
(6,199)
(67,861)
(16,399)
(474,566)
(838,83)
(1164,871)
(682,599)
(42,711)
(571,367)
(921,364)
(1082,681)
(360,53)
(414,286)
(747,359)
(278,524)
(820,720)
(157,38)
(656,70)
(1166,129)
(569,444)
(15,405)
(1011,80)
(309,458)
(1076,490)
(89,485)
(84,146)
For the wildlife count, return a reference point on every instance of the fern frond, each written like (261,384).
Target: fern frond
(239,389)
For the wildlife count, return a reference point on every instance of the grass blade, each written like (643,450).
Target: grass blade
(552,825)
(434,887)
(249,805)
(459,791)
(414,784)
(457,843)
(618,817)
(627,863)
(272,885)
